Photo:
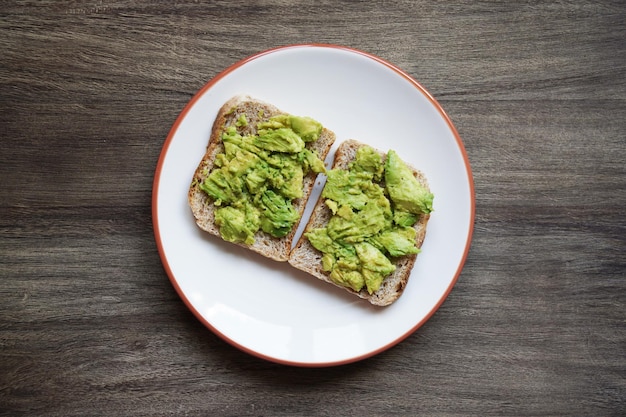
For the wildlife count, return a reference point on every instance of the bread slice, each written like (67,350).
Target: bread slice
(306,258)
(201,205)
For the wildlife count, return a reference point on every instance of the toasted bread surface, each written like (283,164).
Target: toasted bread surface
(201,204)
(308,259)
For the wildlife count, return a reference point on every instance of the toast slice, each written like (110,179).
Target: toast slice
(308,259)
(201,204)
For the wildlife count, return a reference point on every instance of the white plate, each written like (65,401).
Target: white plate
(267,308)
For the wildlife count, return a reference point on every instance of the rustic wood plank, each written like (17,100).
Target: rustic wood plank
(89,323)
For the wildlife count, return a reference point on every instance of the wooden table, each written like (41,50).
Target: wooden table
(90,323)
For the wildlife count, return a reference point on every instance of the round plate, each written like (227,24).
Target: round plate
(268,308)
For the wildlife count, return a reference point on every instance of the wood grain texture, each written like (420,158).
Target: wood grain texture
(89,323)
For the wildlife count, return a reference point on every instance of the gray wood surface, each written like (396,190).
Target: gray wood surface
(89,322)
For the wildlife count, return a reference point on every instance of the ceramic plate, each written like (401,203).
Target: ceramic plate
(267,308)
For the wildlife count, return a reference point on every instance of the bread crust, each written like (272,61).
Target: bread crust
(306,258)
(201,204)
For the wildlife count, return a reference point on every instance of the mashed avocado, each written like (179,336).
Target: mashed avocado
(405,191)
(372,221)
(257,177)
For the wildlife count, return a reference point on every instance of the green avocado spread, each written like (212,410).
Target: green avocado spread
(374,207)
(257,178)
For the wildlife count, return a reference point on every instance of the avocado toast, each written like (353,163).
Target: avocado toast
(257,173)
(368,225)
